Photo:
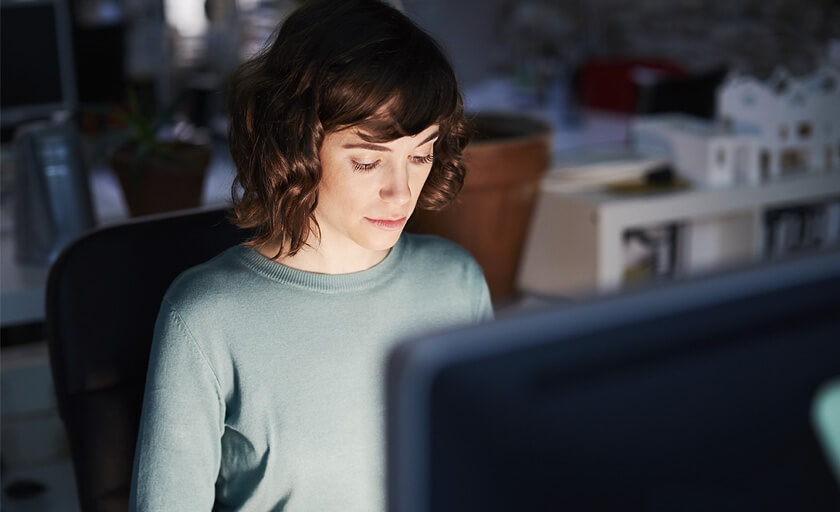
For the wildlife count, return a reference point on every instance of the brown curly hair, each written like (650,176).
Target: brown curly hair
(331,66)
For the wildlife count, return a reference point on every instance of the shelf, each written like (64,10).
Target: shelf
(574,242)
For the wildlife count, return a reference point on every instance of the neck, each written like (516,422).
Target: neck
(327,258)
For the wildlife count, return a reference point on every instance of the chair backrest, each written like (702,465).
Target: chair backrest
(102,300)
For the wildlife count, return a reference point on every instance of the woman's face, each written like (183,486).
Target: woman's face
(368,191)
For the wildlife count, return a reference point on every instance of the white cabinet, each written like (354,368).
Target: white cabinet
(576,241)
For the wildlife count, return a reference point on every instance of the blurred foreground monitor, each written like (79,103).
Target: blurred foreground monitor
(692,395)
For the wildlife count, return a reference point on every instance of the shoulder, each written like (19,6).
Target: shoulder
(437,251)
(445,270)
(435,256)
(209,286)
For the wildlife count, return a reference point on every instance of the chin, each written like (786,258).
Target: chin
(381,242)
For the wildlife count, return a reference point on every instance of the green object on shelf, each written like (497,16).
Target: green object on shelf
(643,187)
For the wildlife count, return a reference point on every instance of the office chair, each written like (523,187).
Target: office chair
(103,296)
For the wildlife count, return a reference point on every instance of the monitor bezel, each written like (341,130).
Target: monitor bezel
(15,115)
(414,365)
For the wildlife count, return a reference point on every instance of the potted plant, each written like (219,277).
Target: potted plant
(156,175)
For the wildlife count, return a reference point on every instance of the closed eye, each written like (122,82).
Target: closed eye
(365,167)
(426,159)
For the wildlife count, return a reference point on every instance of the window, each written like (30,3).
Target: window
(764,164)
(793,160)
(720,157)
(742,164)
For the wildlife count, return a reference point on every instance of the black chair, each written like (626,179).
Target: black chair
(102,300)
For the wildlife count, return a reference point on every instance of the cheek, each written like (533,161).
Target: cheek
(418,181)
(333,185)
(334,196)
(346,193)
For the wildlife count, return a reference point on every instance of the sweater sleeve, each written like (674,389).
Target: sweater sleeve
(482,305)
(178,450)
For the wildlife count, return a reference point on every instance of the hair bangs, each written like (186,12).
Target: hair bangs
(423,99)
(414,89)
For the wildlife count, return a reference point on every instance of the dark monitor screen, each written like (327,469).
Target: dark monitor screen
(692,396)
(35,66)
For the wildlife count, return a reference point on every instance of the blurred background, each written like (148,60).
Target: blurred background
(618,143)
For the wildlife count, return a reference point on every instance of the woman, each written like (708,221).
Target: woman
(264,389)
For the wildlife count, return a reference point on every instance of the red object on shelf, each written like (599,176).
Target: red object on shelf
(614,84)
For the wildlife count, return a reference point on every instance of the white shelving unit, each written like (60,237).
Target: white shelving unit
(574,245)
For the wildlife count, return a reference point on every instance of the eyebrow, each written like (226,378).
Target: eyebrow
(377,147)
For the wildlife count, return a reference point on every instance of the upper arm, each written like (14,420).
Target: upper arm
(482,306)
(178,449)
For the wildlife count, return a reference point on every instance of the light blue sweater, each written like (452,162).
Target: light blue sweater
(265,388)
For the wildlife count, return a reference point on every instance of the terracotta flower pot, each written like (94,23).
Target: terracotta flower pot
(165,182)
(505,162)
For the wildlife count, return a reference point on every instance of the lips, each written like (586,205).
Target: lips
(388,224)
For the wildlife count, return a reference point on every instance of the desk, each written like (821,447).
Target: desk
(24,285)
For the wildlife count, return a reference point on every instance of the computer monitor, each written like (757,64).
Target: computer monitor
(36,60)
(696,395)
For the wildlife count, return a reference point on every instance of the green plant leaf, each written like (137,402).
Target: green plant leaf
(168,112)
(143,123)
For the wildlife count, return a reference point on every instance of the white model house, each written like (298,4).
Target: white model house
(699,149)
(764,129)
(795,120)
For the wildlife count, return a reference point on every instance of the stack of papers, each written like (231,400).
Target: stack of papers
(595,169)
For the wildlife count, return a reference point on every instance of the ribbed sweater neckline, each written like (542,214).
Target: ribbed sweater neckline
(325,283)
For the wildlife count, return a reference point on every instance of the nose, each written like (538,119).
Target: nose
(395,188)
